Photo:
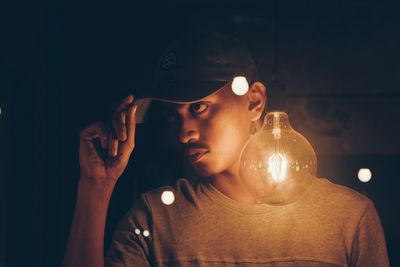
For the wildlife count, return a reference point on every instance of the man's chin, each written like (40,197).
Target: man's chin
(207,166)
(204,170)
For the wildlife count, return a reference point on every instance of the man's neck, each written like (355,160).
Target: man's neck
(230,184)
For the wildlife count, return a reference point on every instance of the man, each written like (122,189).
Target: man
(214,220)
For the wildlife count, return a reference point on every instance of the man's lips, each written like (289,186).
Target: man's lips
(195,154)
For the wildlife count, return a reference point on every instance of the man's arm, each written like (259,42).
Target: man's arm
(369,246)
(130,247)
(86,240)
(99,175)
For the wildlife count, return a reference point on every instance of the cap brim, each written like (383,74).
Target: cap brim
(181,92)
(185,91)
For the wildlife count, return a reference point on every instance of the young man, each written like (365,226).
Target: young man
(213,221)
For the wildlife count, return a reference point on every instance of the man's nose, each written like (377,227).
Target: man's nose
(189,131)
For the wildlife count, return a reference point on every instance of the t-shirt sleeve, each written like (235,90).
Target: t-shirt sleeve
(369,246)
(132,238)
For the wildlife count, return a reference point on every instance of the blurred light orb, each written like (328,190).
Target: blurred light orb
(167,197)
(240,86)
(146,233)
(364,175)
(137,231)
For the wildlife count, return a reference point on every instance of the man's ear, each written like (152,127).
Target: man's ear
(257,99)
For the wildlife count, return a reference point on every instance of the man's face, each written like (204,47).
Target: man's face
(212,131)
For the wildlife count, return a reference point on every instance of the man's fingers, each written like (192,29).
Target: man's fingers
(119,118)
(131,124)
(112,145)
(103,142)
(119,125)
(93,131)
(109,140)
(128,146)
(122,117)
(125,103)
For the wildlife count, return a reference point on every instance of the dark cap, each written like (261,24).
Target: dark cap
(196,66)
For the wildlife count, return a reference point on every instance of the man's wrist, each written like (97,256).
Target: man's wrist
(100,189)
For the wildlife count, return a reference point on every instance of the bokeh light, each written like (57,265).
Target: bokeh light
(240,86)
(146,233)
(167,197)
(364,175)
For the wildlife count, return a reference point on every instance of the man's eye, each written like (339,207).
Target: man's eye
(198,107)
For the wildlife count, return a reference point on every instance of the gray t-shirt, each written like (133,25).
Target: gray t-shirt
(327,225)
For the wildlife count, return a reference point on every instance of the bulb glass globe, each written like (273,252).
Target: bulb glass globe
(277,162)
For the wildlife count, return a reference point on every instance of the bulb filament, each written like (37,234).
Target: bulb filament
(277,164)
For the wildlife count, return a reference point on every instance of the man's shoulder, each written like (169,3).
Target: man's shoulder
(341,195)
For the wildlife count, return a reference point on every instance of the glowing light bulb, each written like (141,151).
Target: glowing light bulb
(277,160)
(240,86)
(137,231)
(364,175)
(167,197)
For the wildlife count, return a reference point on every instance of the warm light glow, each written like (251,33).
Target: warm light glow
(167,197)
(146,233)
(276,159)
(240,86)
(137,231)
(277,165)
(364,175)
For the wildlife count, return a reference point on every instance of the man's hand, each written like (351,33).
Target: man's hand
(116,144)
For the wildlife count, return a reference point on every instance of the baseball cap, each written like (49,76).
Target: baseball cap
(194,67)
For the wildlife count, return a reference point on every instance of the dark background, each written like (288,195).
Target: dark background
(334,66)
